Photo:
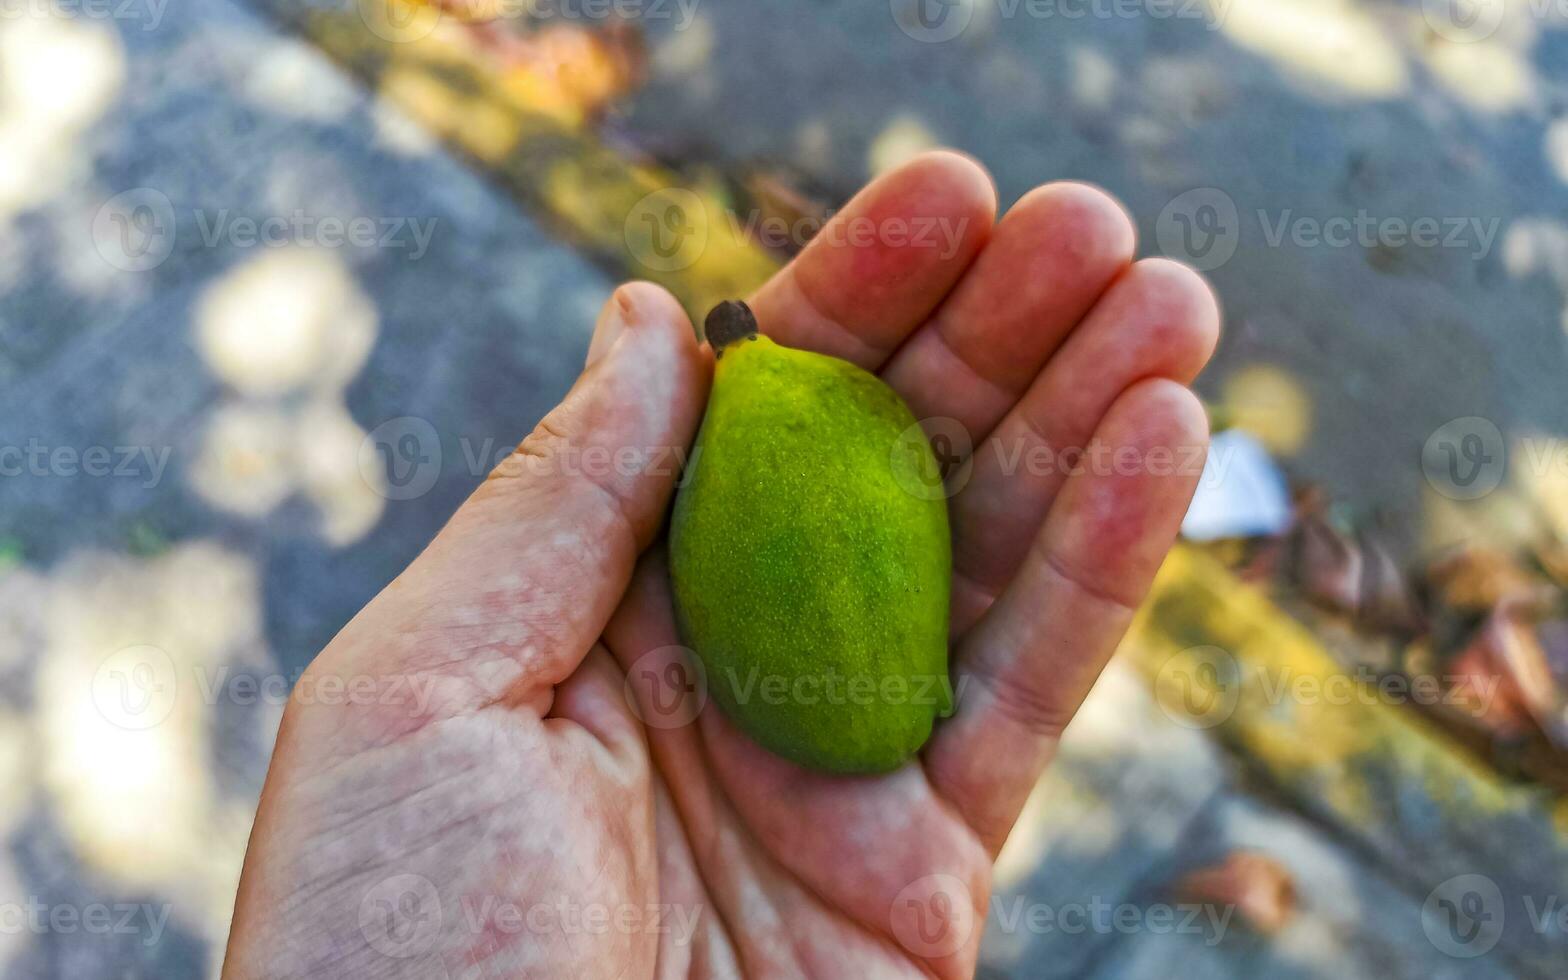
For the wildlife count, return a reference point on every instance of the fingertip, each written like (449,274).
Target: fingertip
(1045,265)
(966,176)
(647,305)
(1190,411)
(882,263)
(655,316)
(1183,295)
(1086,216)
(633,305)
(1158,412)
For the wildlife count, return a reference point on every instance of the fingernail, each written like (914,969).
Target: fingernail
(612,323)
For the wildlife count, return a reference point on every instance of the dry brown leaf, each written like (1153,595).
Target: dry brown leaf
(1258,887)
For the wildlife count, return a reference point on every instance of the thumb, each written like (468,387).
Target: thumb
(602,464)
(519,584)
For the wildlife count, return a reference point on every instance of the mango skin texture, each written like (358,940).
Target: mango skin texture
(809,578)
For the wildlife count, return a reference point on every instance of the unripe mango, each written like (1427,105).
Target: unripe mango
(810,560)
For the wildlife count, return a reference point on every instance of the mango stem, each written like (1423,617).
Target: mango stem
(728,322)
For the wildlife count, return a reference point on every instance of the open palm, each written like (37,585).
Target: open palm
(549,795)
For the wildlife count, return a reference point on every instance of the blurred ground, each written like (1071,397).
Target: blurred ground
(1277,111)
(231,529)
(237,513)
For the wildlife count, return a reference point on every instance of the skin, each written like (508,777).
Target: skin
(524,815)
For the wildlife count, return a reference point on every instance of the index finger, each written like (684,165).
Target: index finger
(881,265)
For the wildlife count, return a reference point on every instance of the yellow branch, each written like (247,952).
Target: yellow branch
(1221,655)
(641,218)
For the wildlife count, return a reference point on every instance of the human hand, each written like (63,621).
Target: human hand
(531,813)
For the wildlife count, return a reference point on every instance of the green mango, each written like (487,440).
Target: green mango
(810,556)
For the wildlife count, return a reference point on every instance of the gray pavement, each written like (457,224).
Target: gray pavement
(191,402)
(241,392)
(1246,126)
